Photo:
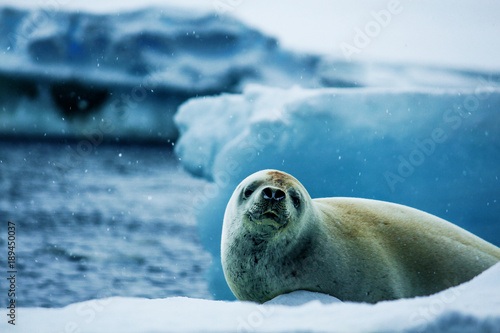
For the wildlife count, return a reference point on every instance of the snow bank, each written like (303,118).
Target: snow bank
(433,149)
(471,307)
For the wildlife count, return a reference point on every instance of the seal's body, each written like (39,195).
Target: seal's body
(276,239)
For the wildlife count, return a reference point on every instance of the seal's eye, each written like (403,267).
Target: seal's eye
(248,193)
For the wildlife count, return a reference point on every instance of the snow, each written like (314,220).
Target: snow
(432,149)
(471,307)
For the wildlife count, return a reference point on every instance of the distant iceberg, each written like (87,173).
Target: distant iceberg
(436,149)
(122,76)
(74,74)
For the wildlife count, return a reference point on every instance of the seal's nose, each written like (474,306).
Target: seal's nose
(270,193)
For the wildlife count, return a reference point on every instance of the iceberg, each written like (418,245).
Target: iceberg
(122,76)
(434,149)
(470,307)
(76,74)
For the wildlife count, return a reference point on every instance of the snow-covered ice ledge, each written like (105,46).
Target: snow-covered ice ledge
(471,307)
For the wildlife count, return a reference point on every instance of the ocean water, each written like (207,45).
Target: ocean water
(92,222)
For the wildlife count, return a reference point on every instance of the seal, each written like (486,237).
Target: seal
(276,239)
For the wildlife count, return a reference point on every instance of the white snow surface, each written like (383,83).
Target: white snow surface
(471,307)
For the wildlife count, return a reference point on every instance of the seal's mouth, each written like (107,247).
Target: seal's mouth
(270,214)
(268,221)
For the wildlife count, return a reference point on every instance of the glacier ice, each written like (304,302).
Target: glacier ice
(65,73)
(122,76)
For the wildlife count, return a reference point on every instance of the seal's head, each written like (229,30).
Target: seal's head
(267,202)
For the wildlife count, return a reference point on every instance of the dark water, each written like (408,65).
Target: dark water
(112,220)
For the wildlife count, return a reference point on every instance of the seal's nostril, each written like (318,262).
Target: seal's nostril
(279,195)
(267,193)
(270,193)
